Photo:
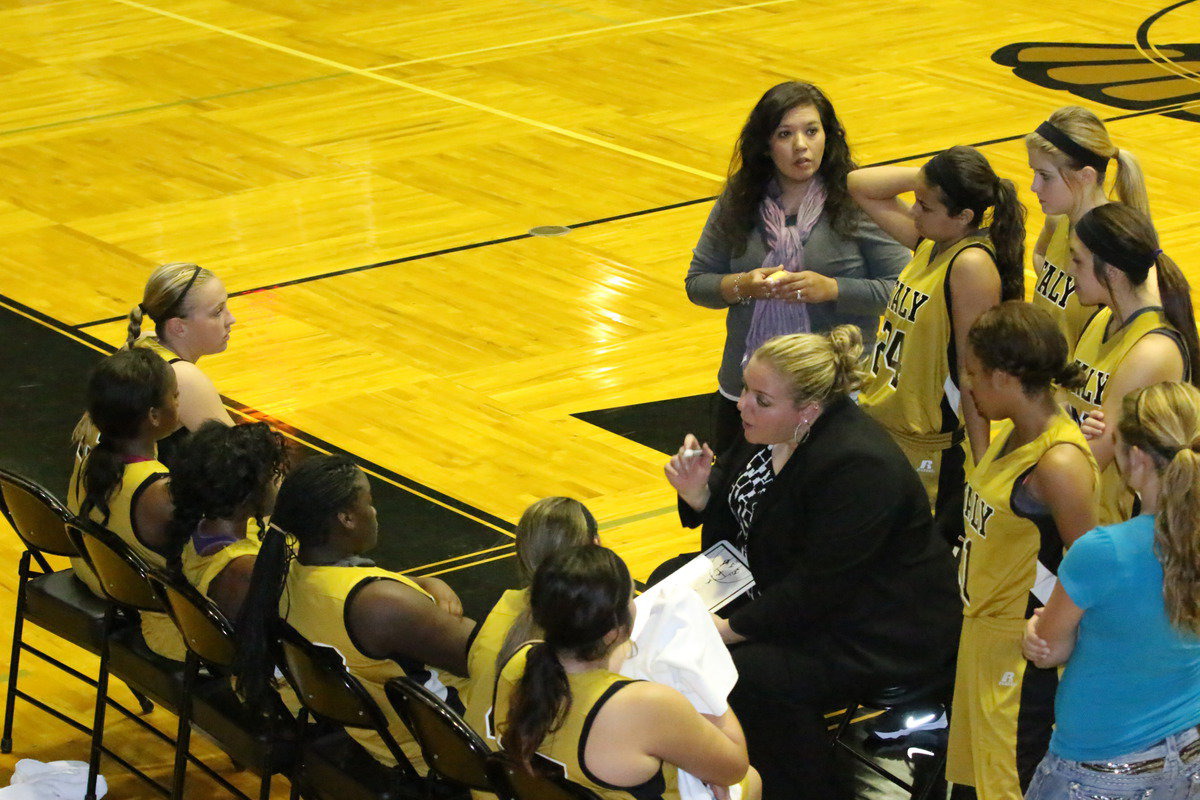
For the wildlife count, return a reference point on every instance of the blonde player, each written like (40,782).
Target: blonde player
(1070,154)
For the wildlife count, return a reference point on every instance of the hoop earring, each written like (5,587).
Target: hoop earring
(797,436)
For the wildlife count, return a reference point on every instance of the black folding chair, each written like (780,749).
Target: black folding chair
(450,747)
(261,739)
(56,601)
(334,766)
(126,580)
(516,783)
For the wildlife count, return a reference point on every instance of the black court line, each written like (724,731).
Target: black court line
(313,441)
(444,251)
(615,218)
(43,369)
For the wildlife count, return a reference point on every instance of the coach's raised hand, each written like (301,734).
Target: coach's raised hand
(688,472)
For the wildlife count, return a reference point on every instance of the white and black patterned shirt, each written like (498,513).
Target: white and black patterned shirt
(747,490)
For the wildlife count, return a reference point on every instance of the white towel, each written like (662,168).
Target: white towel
(678,645)
(57,780)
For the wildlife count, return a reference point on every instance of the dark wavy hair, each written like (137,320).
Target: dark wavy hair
(966,180)
(1024,341)
(578,595)
(121,391)
(219,468)
(1129,243)
(751,168)
(310,497)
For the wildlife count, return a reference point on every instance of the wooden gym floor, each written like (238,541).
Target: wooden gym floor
(363,175)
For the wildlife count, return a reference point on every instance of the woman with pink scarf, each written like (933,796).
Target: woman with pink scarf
(785,249)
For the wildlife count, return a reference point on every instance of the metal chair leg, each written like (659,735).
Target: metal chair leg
(298,764)
(146,703)
(14,660)
(183,736)
(98,721)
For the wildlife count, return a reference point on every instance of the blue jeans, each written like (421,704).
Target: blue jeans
(1059,779)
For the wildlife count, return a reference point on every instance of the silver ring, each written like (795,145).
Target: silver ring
(799,294)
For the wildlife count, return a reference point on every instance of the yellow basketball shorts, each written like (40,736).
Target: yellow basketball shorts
(942,473)
(1003,711)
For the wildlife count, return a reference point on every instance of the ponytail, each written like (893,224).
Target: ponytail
(258,622)
(100,475)
(1081,132)
(122,391)
(1163,421)
(538,706)
(1119,236)
(1007,233)
(1176,294)
(967,181)
(578,597)
(308,501)
(1130,184)
(1024,341)
(167,294)
(134,331)
(1177,537)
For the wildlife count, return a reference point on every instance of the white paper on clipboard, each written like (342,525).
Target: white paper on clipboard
(719,575)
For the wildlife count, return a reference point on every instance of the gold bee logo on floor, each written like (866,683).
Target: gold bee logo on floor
(1140,77)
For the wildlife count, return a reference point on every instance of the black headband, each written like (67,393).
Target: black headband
(1055,136)
(178,304)
(1135,265)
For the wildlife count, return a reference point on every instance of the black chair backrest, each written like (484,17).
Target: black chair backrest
(449,745)
(36,515)
(123,575)
(514,781)
(324,684)
(204,628)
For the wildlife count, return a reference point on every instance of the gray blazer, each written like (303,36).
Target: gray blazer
(864,265)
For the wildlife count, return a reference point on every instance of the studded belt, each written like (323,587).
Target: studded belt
(1187,754)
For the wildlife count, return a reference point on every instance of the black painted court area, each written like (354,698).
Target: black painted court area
(43,372)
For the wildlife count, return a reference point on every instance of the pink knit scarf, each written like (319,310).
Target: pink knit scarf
(785,248)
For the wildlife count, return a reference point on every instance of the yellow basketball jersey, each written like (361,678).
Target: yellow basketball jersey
(481,661)
(1100,354)
(158,630)
(200,571)
(1054,290)
(564,747)
(913,390)
(1009,559)
(314,603)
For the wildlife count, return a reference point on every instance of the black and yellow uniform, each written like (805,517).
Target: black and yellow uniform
(565,746)
(1003,705)
(484,651)
(913,391)
(168,445)
(1054,290)
(1100,352)
(159,631)
(315,602)
(201,570)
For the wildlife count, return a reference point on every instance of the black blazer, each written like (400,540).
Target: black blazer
(843,549)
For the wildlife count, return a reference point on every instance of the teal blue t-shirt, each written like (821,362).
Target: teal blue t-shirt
(1133,679)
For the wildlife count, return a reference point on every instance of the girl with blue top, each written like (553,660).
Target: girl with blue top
(1125,619)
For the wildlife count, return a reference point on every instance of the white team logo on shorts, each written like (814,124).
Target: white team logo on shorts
(926,466)
(1008,679)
